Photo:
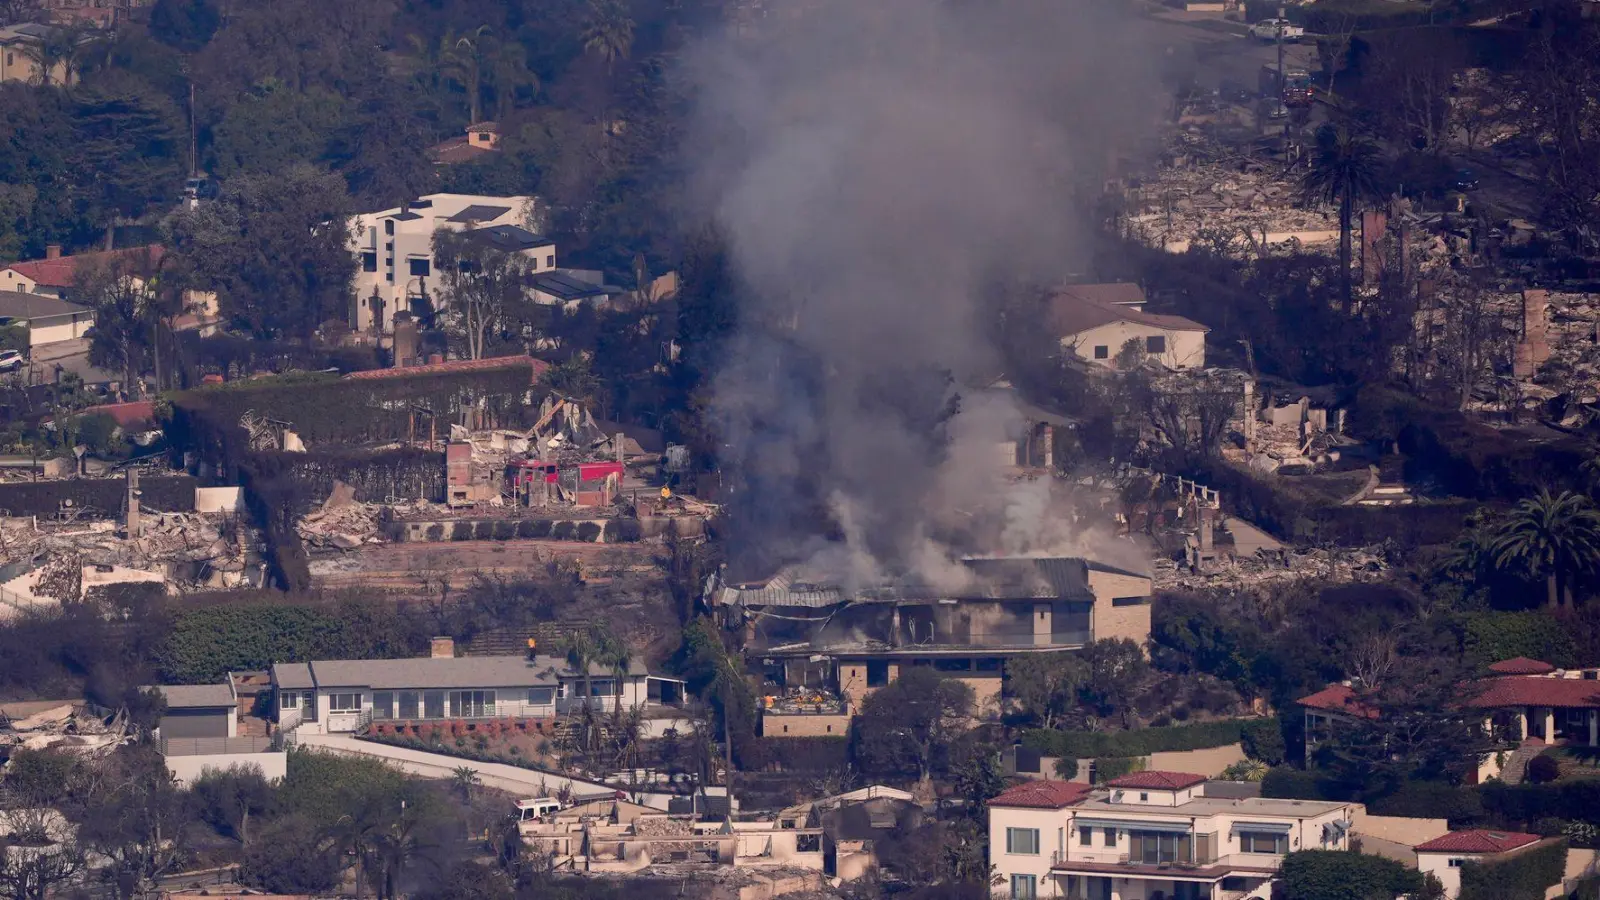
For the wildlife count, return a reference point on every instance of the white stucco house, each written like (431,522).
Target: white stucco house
(1095,321)
(394,248)
(1443,856)
(1150,835)
(345,695)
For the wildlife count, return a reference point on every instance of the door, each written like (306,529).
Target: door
(1099,888)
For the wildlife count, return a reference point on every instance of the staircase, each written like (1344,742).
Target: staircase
(1516,768)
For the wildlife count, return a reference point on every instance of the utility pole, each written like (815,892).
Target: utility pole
(194,144)
(1282,85)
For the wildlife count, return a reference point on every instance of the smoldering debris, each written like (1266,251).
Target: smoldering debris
(876,169)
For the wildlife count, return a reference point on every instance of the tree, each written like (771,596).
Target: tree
(1556,537)
(1046,685)
(907,726)
(38,855)
(1117,671)
(481,286)
(1342,875)
(272,128)
(274,247)
(1418,730)
(290,857)
(608,33)
(1343,171)
(130,309)
(185,25)
(465,58)
(465,779)
(129,147)
(137,829)
(230,797)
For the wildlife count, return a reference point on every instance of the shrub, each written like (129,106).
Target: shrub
(1263,741)
(1543,769)
(1139,742)
(505,530)
(1524,876)
(1293,784)
(623,531)
(461,531)
(1341,875)
(1495,636)
(436,531)
(562,531)
(1106,769)
(525,528)
(588,531)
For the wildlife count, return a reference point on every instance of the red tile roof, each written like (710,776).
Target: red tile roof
(1339,698)
(1070,312)
(1161,781)
(1521,665)
(61,271)
(1535,690)
(1477,841)
(457,150)
(1042,794)
(538,366)
(126,415)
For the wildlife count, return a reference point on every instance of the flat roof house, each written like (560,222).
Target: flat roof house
(199,731)
(1150,835)
(344,695)
(48,320)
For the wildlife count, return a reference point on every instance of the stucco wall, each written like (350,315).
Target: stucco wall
(187,768)
(1052,826)
(1131,622)
(804,725)
(1209,761)
(1185,349)
(1400,829)
(216,499)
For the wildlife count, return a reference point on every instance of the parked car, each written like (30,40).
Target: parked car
(11,360)
(1466,180)
(1272,29)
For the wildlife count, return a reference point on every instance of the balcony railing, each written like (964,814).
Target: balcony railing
(1059,858)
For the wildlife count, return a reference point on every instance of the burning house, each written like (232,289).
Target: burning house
(826,649)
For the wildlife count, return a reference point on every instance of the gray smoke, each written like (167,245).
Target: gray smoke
(877,167)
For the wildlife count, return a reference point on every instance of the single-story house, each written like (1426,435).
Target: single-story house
(1094,323)
(479,140)
(48,319)
(199,711)
(199,733)
(341,695)
(1443,856)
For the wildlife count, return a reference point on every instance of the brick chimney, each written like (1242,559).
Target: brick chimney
(442,648)
(52,251)
(1534,348)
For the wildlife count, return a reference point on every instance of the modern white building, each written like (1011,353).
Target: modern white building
(346,695)
(1150,836)
(394,248)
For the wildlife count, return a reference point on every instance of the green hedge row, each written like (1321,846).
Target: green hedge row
(167,493)
(1142,742)
(1521,877)
(1108,768)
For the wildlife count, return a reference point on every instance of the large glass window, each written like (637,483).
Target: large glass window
(433,704)
(383,704)
(602,687)
(409,704)
(1155,847)
(541,696)
(1262,842)
(1023,841)
(472,704)
(344,702)
(1024,887)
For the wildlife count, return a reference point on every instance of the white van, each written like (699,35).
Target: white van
(528,810)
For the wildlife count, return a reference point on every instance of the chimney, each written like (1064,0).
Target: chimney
(52,251)
(442,648)
(435,358)
(132,522)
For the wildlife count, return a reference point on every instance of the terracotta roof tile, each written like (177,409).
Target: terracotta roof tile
(1521,665)
(457,150)
(1338,698)
(1042,794)
(1161,781)
(1477,841)
(1536,690)
(59,272)
(538,366)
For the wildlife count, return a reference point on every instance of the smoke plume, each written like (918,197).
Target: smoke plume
(877,167)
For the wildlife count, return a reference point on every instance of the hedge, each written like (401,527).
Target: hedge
(1342,875)
(1523,876)
(209,642)
(1521,805)
(1141,742)
(1107,768)
(167,493)
(1495,636)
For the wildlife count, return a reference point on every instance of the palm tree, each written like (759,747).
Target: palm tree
(465,778)
(508,72)
(586,648)
(609,32)
(1554,536)
(465,59)
(1344,170)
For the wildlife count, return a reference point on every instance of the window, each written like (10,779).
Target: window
(383,704)
(1111,837)
(484,136)
(808,843)
(1022,841)
(1144,798)
(541,696)
(987,665)
(433,704)
(1155,847)
(952,665)
(388,226)
(1101,351)
(10,59)
(550,261)
(344,702)
(1085,836)
(472,704)
(369,261)
(1261,842)
(288,699)
(877,674)
(1129,601)
(1456,863)
(1024,887)
(408,704)
(1155,344)
(420,268)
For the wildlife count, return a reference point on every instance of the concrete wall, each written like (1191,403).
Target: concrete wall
(1209,761)
(56,329)
(778,725)
(187,768)
(1399,829)
(1185,349)
(217,499)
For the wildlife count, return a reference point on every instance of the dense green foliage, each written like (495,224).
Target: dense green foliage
(1341,875)
(1522,876)
(1138,742)
(1495,636)
(207,643)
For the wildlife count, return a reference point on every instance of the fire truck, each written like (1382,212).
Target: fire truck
(1295,89)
